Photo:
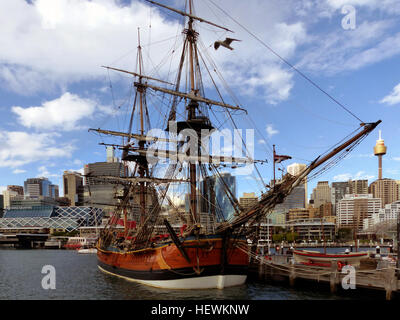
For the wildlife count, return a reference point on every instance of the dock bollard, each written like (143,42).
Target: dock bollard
(378,252)
(334,277)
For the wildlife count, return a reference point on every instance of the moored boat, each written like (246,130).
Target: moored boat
(199,257)
(326,259)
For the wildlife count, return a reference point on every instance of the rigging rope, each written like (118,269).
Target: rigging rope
(287,62)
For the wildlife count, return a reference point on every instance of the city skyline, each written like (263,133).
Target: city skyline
(50,105)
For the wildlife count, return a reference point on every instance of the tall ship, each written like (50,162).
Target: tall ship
(200,255)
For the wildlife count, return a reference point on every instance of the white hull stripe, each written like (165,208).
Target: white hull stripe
(210,282)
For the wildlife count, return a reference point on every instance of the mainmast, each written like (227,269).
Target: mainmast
(191,37)
(142,164)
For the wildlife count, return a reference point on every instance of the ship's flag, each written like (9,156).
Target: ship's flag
(279,159)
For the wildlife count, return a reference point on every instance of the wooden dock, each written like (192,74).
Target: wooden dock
(372,274)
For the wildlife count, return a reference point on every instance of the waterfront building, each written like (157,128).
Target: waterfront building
(385,189)
(312,229)
(248,200)
(73,187)
(321,193)
(29,203)
(354,208)
(51,217)
(338,191)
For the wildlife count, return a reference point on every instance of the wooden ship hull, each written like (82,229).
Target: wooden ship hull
(200,258)
(164,266)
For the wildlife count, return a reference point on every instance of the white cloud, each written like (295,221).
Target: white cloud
(68,40)
(360,175)
(343,177)
(63,113)
(49,44)
(335,52)
(396,158)
(20,148)
(388,6)
(262,141)
(271,131)
(18,171)
(43,172)
(3,188)
(393,97)
(393,171)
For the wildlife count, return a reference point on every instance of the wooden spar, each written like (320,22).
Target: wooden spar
(137,75)
(139,179)
(188,15)
(367,129)
(191,96)
(135,136)
(183,157)
(192,114)
(279,192)
(142,165)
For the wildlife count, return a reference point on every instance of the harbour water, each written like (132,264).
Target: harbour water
(77,277)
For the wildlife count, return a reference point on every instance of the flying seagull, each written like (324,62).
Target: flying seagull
(226,43)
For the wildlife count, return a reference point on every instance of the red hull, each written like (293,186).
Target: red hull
(167,263)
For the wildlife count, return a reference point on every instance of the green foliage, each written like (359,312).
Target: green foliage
(287,236)
(345,234)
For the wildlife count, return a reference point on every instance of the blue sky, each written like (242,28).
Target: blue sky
(52,86)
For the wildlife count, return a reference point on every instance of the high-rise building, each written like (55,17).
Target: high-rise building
(101,193)
(36,187)
(94,171)
(295,200)
(18,189)
(339,190)
(73,187)
(358,187)
(54,191)
(326,210)
(298,213)
(213,190)
(248,200)
(8,195)
(354,208)
(1,205)
(110,155)
(321,193)
(388,214)
(385,189)
(296,169)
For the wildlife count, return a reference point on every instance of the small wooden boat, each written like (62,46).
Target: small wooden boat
(326,259)
(87,250)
